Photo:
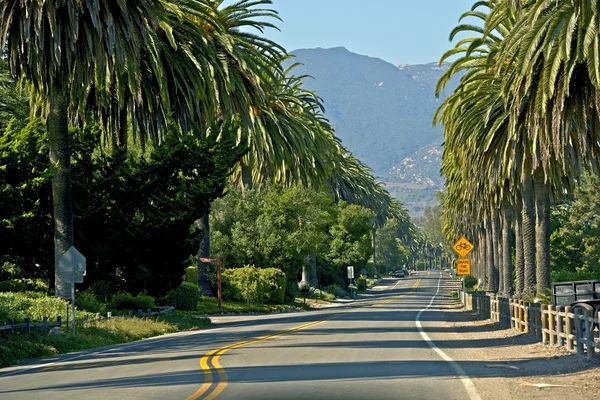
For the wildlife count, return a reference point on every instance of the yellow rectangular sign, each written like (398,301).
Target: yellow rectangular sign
(463,266)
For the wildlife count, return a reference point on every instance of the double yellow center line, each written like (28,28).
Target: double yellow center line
(214,355)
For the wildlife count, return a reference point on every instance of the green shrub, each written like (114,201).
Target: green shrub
(361,283)
(257,285)
(18,306)
(191,275)
(568,276)
(87,300)
(103,290)
(22,285)
(470,281)
(319,294)
(185,297)
(128,302)
(336,290)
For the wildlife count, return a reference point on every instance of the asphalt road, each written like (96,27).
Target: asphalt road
(379,348)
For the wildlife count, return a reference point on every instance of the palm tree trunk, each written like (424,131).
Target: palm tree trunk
(204,252)
(519,261)
(528,231)
(489,286)
(483,257)
(246,177)
(60,161)
(495,251)
(542,233)
(507,265)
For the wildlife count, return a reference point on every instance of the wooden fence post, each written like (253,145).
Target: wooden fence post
(526,315)
(59,320)
(521,317)
(45,322)
(108,315)
(544,315)
(540,317)
(589,333)
(579,332)
(552,324)
(560,324)
(569,328)
(27,326)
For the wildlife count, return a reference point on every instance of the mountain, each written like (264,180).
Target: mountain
(383,113)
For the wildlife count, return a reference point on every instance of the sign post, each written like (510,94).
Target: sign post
(71,270)
(219,261)
(463,264)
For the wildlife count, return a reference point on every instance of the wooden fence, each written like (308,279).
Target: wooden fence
(45,323)
(551,325)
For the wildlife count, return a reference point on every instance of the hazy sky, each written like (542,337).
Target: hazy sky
(398,31)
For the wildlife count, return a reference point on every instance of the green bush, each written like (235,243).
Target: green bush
(18,306)
(191,275)
(128,302)
(87,300)
(103,290)
(185,297)
(361,283)
(22,285)
(470,281)
(319,294)
(256,285)
(567,276)
(336,290)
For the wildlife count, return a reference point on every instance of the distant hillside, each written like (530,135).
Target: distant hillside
(383,113)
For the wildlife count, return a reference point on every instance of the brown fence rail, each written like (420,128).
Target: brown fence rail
(27,324)
(551,325)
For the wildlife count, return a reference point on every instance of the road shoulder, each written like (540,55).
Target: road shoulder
(510,364)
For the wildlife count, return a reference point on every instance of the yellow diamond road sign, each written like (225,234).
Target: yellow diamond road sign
(463,247)
(463,266)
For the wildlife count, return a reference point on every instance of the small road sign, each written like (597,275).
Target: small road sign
(463,266)
(350,272)
(463,247)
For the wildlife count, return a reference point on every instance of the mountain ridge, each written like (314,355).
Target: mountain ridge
(383,113)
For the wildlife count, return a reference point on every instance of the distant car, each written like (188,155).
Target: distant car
(400,274)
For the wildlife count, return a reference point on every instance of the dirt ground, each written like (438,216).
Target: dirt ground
(514,365)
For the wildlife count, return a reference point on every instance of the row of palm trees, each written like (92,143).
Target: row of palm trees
(519,130)
(137,66)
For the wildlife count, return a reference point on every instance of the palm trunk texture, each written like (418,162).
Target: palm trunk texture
(507,265)
(519,261)
(495,251)
(542,234)
(528,232)
(60,161)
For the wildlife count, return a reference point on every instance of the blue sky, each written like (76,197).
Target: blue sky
(398,31)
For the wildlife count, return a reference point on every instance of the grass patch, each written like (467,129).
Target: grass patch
(208,305)
(19,346)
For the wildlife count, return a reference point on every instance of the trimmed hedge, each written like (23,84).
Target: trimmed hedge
(361,283)
(128,302)
(185,297)
(256,285)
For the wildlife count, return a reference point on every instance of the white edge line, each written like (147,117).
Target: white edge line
(462,375)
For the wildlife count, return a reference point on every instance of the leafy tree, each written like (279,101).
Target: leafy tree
(351,236)
(391,252)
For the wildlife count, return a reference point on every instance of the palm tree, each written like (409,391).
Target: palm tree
(63,48)
(550,61)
